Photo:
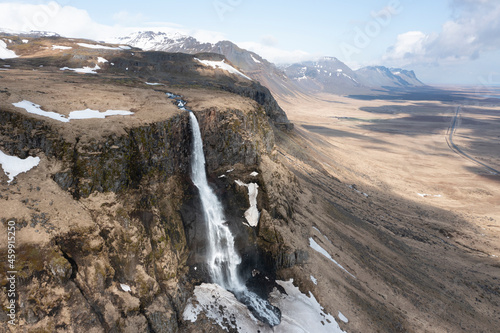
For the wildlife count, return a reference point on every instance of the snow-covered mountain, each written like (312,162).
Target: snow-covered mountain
(333,76)
(168,42)
(327,74)
(380,76)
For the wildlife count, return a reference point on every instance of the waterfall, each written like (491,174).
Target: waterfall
(222,258)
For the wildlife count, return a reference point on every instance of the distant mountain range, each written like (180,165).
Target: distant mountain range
(380,76)
(325,75)
(32,33)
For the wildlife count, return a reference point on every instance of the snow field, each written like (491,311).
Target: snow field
(224,66)
(80,114)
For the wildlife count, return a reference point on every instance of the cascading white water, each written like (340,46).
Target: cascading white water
(222,258)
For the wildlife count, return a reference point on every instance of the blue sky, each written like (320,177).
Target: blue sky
(444,41)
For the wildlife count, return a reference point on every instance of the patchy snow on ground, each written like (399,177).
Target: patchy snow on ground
(36,109)
(223,308)
(154,84)
(353,187)
(424,195)
(343,318)
(60,47)
(101,60)
(252,214)
(254,174)
(125,287)
(6,53)
(94,114)
(13,165)
(85,70)
(81,114)
(103,47)
(300,313)
(314,280)
(329,241)
(224,66)
(25,41)
(315,246)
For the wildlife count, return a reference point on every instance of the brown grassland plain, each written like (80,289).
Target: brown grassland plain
(429,218)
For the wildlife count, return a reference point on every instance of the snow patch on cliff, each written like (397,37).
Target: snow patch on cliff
(223,65)
(252,214)
(13,165)
(299,313)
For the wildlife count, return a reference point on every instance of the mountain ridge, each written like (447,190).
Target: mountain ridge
(251,63)
(326,74)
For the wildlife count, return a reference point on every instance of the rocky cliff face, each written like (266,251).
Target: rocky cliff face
(121,264)
(112,163)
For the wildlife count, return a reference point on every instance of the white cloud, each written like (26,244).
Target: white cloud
(474,31)
(277,55)
(269,40)
(67,20)
(408,47)
(70,21)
